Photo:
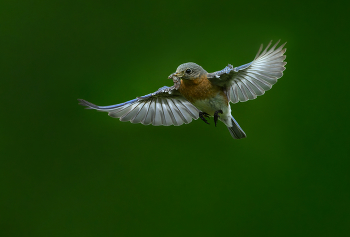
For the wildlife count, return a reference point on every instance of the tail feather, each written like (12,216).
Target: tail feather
(236,131)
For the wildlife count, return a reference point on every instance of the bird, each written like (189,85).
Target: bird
(199,94)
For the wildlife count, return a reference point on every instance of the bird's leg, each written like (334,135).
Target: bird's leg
(216,115)
(202,115)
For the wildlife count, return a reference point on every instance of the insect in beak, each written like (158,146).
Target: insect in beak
(171,76)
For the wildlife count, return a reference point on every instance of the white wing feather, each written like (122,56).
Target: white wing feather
(163,107)
(248,81)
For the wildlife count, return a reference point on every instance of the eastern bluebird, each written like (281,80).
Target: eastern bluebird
(197,93)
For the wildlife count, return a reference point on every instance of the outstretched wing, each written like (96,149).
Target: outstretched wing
(248,81)
(165,107)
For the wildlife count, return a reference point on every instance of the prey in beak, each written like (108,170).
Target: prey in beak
(176,79)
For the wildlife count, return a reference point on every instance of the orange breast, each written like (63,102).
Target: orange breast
(199,89)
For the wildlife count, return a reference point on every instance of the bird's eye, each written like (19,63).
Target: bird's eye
(188,71)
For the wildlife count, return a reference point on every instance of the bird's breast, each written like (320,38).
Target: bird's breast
(199,89)
(204,95)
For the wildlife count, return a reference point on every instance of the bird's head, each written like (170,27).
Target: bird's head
(189,71)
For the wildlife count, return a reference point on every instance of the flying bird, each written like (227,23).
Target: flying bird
(199,94)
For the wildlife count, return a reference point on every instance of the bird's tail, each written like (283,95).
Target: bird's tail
(236,131)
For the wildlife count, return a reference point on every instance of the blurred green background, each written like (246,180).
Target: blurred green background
(66,171)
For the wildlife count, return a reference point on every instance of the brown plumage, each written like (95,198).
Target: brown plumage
(199,89)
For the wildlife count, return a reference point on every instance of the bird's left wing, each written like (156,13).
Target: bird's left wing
(165,107)
(250,80)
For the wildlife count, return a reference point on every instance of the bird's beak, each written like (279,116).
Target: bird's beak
(176,74)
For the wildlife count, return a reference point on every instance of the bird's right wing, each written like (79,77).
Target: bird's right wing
(165,107)
(250,80)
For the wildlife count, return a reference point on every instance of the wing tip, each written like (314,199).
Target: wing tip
(87,104)
(271,50)
(257,55)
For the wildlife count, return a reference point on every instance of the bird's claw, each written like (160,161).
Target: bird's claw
(202,115)
(216,116)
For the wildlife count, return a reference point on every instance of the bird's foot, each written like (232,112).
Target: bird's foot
(216,116)
(202,115)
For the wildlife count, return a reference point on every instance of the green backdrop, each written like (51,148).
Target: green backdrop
(66,171)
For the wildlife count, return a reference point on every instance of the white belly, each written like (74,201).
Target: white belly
(213,104)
